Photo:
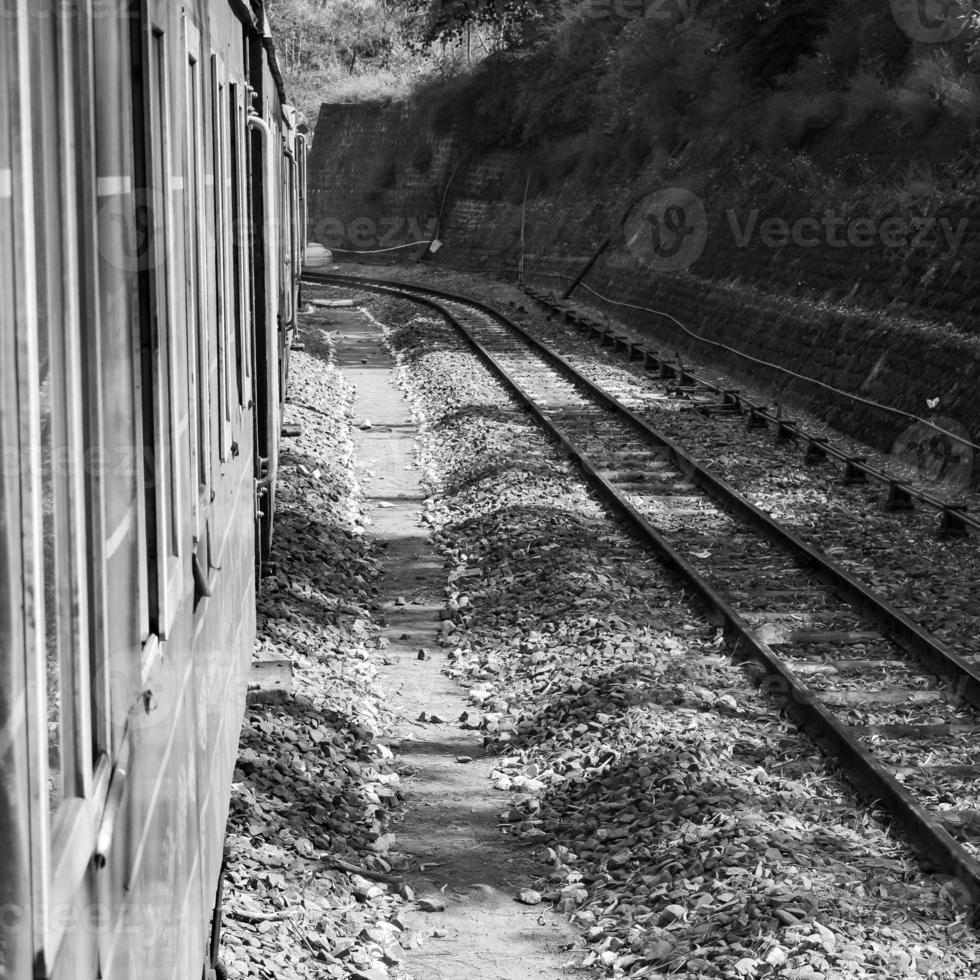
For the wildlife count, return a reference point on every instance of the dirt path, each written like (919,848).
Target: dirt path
(459,859)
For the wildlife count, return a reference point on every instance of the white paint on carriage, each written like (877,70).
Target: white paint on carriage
(114,186)
(119,535)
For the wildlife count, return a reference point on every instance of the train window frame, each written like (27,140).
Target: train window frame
(61,840)
(222,247)
(160,262)
(243,239)
(198,354)
(235,173)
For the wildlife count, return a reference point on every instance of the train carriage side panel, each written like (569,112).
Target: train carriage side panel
(224,649)
(16,947)
(265,179)
(69,758)
(151,871)
(128,620)
(149,859)
(278,200)
(183,770)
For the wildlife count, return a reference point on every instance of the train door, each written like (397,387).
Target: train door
(264,196)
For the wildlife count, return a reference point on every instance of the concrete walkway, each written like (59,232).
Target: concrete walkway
(459,858)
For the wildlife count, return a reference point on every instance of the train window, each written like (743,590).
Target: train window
(222,247)
(50,377)
(58,413)
(157,336)
(237,233)
(158,171)
(197,333)
(54,685)
(243,255)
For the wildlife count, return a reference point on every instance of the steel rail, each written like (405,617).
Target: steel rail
(952,514)
(908,634)
(802,705)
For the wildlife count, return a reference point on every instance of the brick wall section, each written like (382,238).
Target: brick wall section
(896,325)
(373,182)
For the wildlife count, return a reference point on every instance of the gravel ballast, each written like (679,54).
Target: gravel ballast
(314,793)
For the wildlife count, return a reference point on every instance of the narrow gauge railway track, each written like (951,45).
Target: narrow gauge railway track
(891,541)
(845,653)
(715,401)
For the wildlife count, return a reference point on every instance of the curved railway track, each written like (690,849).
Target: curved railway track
(713,400)
(870,685)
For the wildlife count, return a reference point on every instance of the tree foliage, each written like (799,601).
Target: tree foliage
(323,34)
(492,25)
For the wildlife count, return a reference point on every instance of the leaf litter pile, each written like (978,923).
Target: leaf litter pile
(680,822)
(308,893)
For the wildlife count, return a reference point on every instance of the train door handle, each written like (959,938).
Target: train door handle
(113,804)
(202,587)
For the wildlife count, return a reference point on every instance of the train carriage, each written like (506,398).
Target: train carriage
(151,232)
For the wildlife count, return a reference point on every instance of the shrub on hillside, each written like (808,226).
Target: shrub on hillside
(556,94)
(478,106)
(938,75)
(792,117)
(915,110)
(770,36)
(867,99)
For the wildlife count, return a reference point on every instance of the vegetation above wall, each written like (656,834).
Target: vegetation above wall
(824,98)
(818,95)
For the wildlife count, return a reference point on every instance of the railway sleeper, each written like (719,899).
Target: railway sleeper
(897,730)
(859,698)
(709,409)
(899,497)
(786,431)
(646,476)
(951,523)
(951,771)
(642,487)
(845,667)
(645,458)
(855,473)
(843,637)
